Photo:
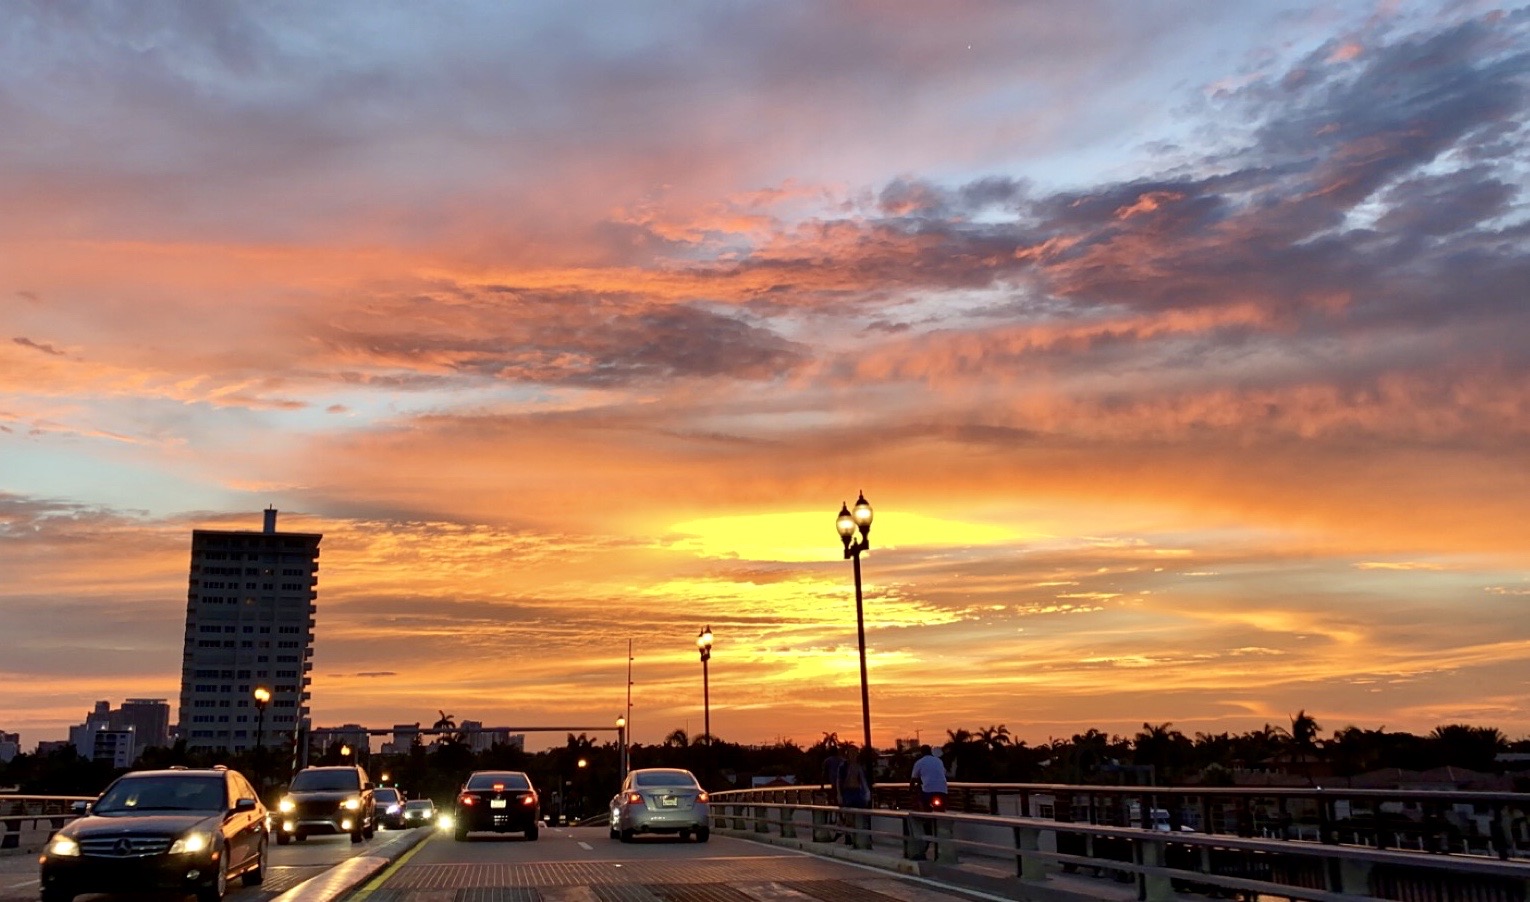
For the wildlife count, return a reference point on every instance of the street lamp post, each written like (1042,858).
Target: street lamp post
(621,755)
(262,698)
(704,645)
(855,532)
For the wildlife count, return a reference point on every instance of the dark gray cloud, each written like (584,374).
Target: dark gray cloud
(574,339)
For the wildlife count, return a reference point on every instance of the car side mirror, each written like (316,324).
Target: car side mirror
(244,805)
(80,807)
(369,786)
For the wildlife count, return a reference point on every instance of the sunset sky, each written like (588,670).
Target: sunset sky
(1182,348)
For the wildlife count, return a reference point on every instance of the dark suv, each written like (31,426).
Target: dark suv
(177,830)
(327,800)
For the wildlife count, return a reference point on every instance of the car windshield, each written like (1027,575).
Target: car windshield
(487,781)
(385,796)
(163,793)
(665,778)
(419,805)
(325,780)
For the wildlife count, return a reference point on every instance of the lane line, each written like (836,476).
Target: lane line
(586,846)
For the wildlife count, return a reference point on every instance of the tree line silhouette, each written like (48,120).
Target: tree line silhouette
(1157,753)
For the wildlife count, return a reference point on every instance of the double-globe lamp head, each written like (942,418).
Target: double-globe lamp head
(852,521)
(704,643)
(262,697)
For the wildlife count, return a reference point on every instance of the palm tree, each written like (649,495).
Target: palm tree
(677,739)
(445,723)
(1460,745)
(1304,742)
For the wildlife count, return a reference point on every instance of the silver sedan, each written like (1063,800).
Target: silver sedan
(660,800)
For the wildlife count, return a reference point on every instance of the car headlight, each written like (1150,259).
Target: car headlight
(63,847)
(286,806)
(191,843)
(351,804)
(394,809)
(444,822)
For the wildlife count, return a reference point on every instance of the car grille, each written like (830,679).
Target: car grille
(125,846)
(316,809)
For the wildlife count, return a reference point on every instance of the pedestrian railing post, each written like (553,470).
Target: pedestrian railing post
(913,837)
(1156,887)
(789,822)
(821,831)
(862,822)
(1029,866)
(761,819)
(945,836)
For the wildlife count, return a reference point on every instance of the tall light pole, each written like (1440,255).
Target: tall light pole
(621,756)
(262,698)
(704,645)
(855,532)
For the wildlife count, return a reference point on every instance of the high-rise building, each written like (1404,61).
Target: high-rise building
(146,720)
(249,624)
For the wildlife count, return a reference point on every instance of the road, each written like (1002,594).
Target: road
(289,866)
(582,864)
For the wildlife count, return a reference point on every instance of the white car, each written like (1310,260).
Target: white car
(661,800)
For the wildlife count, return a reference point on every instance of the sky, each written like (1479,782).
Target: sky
(1180,349)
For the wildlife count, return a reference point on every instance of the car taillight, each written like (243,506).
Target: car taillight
(528,800)
(634,799)
(703,797)
(467,799)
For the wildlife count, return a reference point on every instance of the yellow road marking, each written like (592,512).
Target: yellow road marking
(376,882)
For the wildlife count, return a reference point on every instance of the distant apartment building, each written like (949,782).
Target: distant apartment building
(144,721)
(250,610)
(353,736)
(479,739)
(10,746)
(405,735)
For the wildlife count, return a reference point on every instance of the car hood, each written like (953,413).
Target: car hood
(168,823)
(324,795)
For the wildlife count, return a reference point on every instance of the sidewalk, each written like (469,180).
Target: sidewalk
(989,876)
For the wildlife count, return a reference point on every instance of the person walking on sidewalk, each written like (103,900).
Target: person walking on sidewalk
(854,791)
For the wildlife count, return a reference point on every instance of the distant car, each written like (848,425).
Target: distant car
(419,813)
(661,800)
(327,800)
(389,803)
(503,801)
(179,830)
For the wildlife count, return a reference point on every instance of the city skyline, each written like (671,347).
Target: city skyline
(1178,349)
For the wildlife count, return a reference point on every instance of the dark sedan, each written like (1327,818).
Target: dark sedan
(499,800)
(178,830)
(389,804)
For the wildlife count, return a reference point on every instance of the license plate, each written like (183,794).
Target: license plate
(497,803)
(670,802)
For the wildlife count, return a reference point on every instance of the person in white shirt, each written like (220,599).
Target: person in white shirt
(928,784)
(928,778)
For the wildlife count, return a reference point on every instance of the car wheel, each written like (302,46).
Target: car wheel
(257,875)
(703,834)
(615,834)
(282,839)
(460,834)
(626,836)
(57,895)
(531,832)
(370,831)
(301,837)
(685,836)
(219,887)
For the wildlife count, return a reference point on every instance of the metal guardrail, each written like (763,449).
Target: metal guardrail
(1161,863)
(26,821)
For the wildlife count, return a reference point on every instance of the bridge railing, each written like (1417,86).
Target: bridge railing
(1159,860)
(26,822)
